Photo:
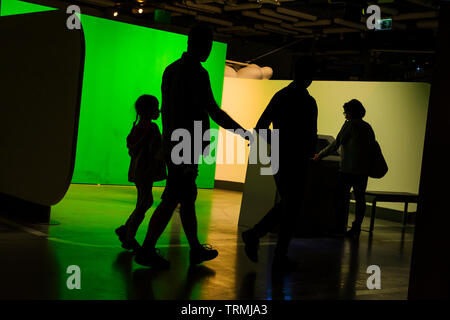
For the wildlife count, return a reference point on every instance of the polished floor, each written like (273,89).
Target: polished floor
(35,258)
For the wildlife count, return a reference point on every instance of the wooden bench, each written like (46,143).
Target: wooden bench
(386,196)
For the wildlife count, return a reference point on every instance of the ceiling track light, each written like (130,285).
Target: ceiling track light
(142,10)
(114,11)
(138,9)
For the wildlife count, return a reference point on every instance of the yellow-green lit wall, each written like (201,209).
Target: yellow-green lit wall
(397,112)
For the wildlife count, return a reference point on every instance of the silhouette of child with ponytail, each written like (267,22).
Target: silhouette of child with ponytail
(146,166)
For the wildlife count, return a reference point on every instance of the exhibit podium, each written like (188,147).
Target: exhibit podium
(315,216)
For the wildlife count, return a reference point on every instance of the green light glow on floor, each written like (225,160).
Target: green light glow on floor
(122,62)
(87,217)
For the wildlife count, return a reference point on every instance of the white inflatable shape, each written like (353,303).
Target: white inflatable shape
(230,72)
(267,73)
(250,72)
(253,66)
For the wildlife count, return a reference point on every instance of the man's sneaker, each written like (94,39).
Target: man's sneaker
(251,242)
(129,245)
(151,258)
(204,253)
(282,264)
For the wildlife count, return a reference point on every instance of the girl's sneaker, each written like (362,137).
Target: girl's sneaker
(126,244)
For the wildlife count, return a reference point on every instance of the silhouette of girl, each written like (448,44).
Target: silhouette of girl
(146,166)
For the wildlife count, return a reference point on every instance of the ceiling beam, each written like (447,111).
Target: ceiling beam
(234,29)
(384,9)
(291,27)
(258,16)
(428,24)
(296,13)
(200,7)
(277,28)
(403,51)
(415,15)
(425,3)
(179,10)
(102,3)
(399,26)
(220,22)
(350,24)
(273,29)
(239,7)
(339,30)
(273,14)
(317,23)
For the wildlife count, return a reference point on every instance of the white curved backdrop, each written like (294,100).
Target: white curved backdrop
(397,112)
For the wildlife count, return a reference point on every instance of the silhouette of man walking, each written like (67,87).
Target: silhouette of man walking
(294,113)
(187,101)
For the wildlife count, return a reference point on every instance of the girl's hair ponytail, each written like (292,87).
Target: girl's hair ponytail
(135,121)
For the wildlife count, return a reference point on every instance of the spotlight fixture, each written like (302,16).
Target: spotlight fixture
(114,11)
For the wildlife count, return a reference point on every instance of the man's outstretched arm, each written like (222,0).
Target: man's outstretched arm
(222,118)
(219,116)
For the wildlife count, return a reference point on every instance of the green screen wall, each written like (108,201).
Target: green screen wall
(11,7)
(123,61)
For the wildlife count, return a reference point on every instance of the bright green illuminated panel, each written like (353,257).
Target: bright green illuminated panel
(12,7)
(122,62)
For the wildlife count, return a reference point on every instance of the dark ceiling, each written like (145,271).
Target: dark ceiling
(333,30)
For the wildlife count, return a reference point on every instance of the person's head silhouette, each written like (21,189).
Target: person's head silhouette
(146,108)
(354,110)
(200,39)
(304,70)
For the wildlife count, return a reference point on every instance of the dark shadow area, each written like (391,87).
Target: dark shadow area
(138,283)
(29,269)
(195,277)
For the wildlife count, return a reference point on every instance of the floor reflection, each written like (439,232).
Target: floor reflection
(329,268)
